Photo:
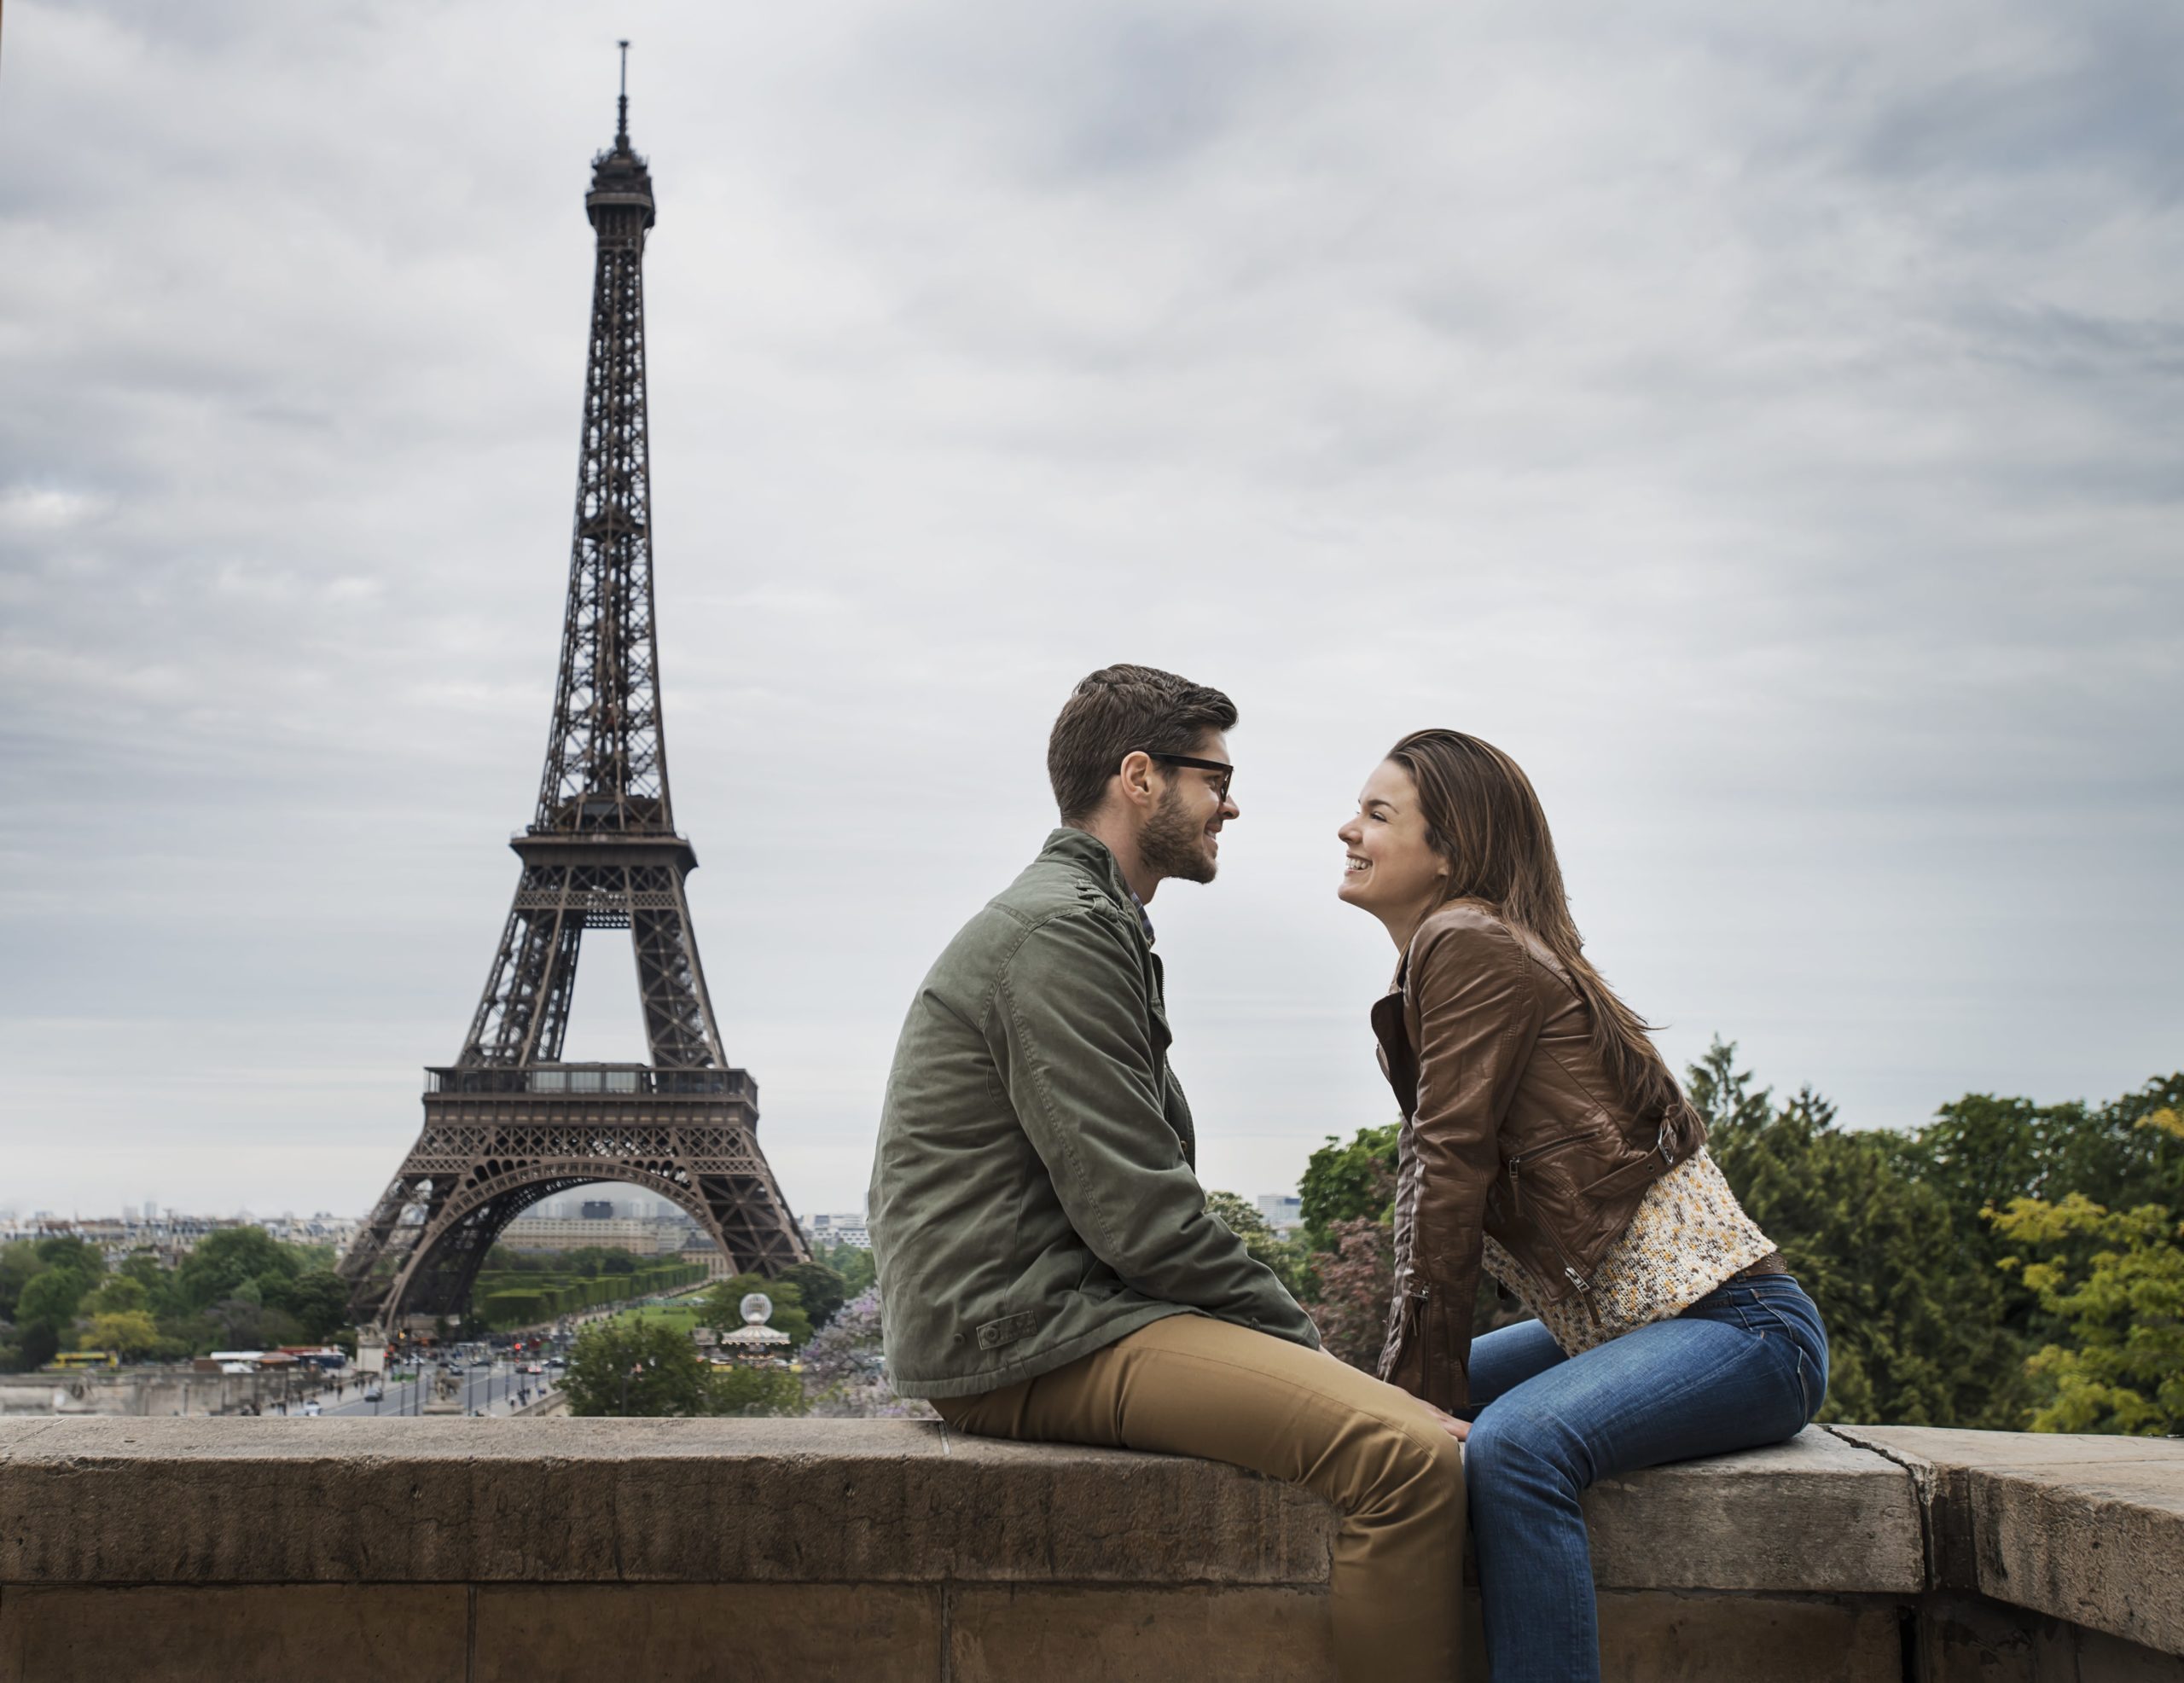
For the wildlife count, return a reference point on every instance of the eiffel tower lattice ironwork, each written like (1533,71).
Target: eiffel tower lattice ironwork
(509,1122)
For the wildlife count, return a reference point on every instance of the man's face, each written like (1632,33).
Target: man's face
(1182,837)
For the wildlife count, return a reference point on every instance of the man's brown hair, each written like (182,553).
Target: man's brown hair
(1117,710)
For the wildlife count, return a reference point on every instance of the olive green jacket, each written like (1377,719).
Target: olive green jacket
(1033,1198)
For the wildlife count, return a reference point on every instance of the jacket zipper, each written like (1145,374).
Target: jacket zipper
(1517,1204)
(1412,1325)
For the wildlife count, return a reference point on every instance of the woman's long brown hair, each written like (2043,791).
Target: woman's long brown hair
(1482,817)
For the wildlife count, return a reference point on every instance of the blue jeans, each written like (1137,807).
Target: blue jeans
(1744,1365)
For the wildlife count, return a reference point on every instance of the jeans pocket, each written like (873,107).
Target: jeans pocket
(1764,1313)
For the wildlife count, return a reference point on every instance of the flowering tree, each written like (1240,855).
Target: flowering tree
(1356,1279)
(843,1372)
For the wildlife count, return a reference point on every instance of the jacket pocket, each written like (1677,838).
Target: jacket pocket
(1528,1204)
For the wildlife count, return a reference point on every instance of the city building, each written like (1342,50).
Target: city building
(700,1248)
(839,1230)
(167,1235)
(644,1236)
(1284,1212)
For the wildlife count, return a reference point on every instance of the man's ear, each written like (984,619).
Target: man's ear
(1135,777)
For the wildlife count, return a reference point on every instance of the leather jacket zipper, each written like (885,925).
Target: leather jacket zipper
(1578,1280)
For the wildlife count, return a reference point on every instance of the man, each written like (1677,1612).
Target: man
(1047,1264)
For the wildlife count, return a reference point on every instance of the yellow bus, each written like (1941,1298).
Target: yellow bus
(87,1358)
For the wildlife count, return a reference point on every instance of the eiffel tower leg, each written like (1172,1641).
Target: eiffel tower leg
(752,1221)
(678,1015)
(386,1245)
(524,1013)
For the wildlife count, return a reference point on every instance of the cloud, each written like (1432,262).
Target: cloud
(1764,426)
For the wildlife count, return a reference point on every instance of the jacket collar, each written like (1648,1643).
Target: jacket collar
(1088,855)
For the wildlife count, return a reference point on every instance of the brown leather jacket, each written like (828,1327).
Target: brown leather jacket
(1510,1127)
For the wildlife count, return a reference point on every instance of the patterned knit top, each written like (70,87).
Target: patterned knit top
(1689,1235)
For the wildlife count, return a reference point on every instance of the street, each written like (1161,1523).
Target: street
(492,1392)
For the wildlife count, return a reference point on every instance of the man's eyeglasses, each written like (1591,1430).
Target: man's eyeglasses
(1220,784)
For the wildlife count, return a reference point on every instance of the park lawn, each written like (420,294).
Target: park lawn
(681,1316)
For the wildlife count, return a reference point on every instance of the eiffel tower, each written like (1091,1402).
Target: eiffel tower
(508,1123)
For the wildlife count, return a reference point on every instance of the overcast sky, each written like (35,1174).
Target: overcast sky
(1766,424)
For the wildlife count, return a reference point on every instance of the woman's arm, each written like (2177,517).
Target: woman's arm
(1479,1014)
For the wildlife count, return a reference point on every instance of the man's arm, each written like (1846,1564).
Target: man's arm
(1069,1030)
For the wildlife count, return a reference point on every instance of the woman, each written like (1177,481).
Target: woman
(1544,1140)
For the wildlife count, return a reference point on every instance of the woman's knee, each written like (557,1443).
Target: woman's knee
(1506,1447)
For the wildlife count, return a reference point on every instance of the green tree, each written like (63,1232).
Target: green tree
(1915,1337)
(1982,1153)
(38,1345)
(1285,1257)
(51,1299)
(852,1262)
(1348,1183)
(130,1333)
(523,1306)
(318,1298)
(2114,1282)
(634,1366)
(68,1251)
(19,1263)
(820,1289)
(221,1262)
(754,1391)
(157,1280)
(117,1294)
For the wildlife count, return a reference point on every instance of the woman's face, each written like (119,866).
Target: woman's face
(1391,870)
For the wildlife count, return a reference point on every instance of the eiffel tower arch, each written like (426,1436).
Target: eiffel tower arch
(509,1123)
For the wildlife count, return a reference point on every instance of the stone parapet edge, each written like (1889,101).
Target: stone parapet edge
(2086,1529)
(358,1501)
(2076,1529)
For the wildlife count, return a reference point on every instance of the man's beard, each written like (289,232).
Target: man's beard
(1173,844)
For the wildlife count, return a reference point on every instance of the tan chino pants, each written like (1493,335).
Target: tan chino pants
(1192,1386)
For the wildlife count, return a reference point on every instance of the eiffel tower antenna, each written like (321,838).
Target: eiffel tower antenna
(509,1123)
(622,121)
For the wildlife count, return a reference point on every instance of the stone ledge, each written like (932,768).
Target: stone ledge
(2086,1529)
(184,1548)
(875,1633)
(149,1501)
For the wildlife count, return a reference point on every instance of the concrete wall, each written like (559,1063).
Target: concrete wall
(754,1549)
(135,1391)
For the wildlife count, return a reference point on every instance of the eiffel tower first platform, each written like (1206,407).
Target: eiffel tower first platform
(508,1123)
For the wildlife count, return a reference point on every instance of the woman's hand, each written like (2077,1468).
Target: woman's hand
(1459,1430)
